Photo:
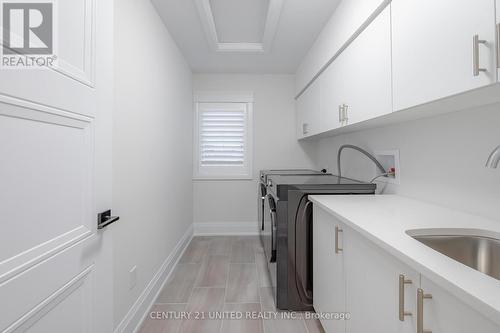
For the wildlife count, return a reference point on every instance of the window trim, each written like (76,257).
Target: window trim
(242,97)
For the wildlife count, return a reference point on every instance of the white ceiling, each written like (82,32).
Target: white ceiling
(245,23)
(242,23)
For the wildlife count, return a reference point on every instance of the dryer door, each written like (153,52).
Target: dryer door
(262,194)
(303,252)
(270,229)
(261,203)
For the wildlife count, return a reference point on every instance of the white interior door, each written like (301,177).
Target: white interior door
(55,142)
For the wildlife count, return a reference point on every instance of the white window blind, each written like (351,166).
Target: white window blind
(224,135)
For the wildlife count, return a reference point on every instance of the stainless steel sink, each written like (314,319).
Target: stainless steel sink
(479,253)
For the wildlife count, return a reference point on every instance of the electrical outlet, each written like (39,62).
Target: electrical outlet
(132,278)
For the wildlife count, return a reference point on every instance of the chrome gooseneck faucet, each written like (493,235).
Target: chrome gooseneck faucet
(494,159)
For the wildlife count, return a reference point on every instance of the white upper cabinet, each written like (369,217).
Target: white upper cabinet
(396,56)
(433,51)
(498,39)
(308,112)
(355,87)
(364,75)
(348,18)
(332,89)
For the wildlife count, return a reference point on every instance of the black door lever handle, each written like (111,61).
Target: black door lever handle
(104,219)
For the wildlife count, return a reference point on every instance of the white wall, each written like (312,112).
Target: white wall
(442,159)
(152,139)
(275,146)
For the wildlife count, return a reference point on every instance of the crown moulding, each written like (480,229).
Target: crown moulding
(271,26)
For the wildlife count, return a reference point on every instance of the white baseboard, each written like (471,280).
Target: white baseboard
(138,312)
(226,229)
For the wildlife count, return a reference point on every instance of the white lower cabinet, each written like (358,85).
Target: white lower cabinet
(328,272)
(353,275)
(373,288)
(444,313)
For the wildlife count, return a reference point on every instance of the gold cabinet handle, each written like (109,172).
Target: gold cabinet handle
(337,231)
(420,310)
(402,282)
(475,55)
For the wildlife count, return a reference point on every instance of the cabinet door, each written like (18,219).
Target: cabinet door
(366,72)
(498,39)
(332,90)
(347,18)
(360,77)
(308,109)
(445,313)
(372,288)
(328,271)
(433,48)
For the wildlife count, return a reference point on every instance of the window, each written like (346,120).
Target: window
(223,136)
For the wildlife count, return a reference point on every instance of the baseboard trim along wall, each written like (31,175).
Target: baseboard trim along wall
(226,229)
(138,312)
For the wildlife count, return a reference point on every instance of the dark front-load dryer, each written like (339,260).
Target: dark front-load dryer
(266,207)
(291,274)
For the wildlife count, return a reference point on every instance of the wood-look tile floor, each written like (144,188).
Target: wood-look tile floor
(217,275)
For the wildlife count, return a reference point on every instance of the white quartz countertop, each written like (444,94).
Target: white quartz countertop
(385,220)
